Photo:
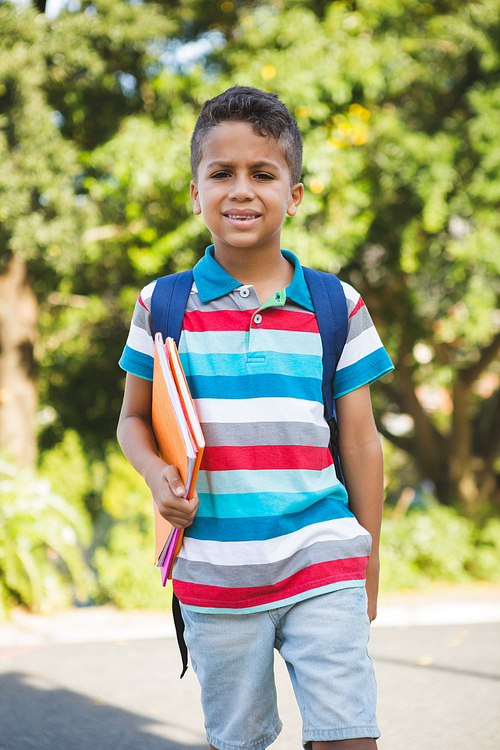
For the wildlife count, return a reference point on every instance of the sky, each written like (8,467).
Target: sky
(53,7)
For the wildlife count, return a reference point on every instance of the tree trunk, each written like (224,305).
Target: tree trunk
(428,444)
(462,476)
(18,399)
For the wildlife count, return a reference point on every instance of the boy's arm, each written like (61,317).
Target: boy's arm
(138,443)
(362,466)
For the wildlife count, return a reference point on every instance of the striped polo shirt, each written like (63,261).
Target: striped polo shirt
(273,525)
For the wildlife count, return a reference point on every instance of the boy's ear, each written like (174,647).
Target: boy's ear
(296,195)
(195,197)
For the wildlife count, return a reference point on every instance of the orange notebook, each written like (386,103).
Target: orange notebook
(179,437)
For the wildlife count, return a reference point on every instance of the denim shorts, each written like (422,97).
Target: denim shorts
(323,641)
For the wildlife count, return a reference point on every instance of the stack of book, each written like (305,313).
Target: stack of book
(180,441)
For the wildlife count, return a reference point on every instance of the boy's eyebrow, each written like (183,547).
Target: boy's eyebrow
(255,165)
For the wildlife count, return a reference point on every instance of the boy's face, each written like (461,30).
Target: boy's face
(243,188)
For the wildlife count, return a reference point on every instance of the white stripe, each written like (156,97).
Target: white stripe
(351,294)
(367,342)
(259,410)
(269,550)
(233,342)
(140,340)
(147,293)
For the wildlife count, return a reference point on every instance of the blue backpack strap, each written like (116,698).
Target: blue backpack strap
(330,307)
(168,304)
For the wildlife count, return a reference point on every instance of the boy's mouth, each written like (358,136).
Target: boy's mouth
(241,217)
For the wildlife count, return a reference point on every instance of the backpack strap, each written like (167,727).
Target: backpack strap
(168,305)
(330,307)
(167,311)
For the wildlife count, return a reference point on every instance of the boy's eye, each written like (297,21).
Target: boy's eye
(264,176)
(220,175)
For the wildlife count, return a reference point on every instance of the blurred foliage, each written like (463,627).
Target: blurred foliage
(434,544)
(62,92)
(42,540)
(67,469)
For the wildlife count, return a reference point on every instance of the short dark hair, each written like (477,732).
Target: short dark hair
(264,112)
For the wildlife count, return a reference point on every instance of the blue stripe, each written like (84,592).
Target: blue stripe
(231,342)
(245,363)
(137,363)
(366,370)
(265,504)
(267,527)
(265,385)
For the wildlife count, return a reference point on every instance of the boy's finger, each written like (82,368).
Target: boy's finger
(195,501)
(174,481)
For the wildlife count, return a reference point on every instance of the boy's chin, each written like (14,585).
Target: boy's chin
(245,241)
(242,246)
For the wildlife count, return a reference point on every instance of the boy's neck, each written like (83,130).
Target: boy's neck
(267,272)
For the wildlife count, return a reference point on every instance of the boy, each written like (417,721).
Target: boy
(273,556)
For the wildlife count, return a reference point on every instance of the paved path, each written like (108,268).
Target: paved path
(93,679)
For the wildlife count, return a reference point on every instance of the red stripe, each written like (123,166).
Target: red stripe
(224,320)
(142,303)
(253,458)
(357,308)
(240,320)
(315,576)
(287,320)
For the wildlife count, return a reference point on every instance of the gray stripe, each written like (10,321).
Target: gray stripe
(268,574)
(359,323)
(141,317)
(234,301)
(229,302)
(351,304)
(266,433)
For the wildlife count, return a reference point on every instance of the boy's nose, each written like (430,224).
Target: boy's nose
(241,189)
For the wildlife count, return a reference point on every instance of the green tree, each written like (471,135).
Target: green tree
(63,89)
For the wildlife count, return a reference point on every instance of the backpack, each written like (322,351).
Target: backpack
(168,305)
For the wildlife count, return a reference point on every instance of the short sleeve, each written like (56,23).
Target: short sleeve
(363,359)
(138,355)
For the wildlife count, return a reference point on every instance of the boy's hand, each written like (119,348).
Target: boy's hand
(168,490)
(372,579)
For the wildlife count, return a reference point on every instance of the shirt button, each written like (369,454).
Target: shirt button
(257,319)
(244,292)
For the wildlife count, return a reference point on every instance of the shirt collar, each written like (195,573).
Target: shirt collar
(298,290)
(212,281)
